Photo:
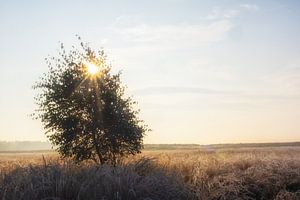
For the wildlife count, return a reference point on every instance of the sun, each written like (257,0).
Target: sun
(92,69)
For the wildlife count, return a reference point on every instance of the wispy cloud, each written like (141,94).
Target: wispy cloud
(250,7)
(167,90)
(219,13)
(237,94)
(170,34)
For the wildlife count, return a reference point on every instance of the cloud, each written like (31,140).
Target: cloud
(132,30)
(174,34)
(250,7)
(167,90)
(219,13)
(235,94)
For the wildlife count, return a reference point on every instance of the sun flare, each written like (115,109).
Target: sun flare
(92,69)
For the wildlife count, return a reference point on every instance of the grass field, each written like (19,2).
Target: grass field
(225,173)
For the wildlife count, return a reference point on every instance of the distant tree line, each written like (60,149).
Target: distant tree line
(254,145)
(24,146)
(45,146)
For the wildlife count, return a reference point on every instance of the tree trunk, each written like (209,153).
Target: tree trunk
(97,120)
(97,149)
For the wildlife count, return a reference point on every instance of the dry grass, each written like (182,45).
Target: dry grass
(260,173)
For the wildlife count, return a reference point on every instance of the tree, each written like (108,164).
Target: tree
(84,109)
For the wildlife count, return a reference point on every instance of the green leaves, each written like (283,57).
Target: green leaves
(87,116)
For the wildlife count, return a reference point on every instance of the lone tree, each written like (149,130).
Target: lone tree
(84,110)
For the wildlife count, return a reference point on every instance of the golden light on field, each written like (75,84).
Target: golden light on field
(92,69)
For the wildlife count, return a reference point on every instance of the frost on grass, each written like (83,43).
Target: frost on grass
(249,174)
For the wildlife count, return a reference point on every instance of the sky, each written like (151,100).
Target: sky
(202,71)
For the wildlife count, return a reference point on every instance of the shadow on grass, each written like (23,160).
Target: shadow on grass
(177,176)
(140,179)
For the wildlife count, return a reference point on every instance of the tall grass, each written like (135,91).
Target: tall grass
(261,173)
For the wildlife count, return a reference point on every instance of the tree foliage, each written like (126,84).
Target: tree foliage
(87,116)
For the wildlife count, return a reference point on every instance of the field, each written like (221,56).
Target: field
(223,173)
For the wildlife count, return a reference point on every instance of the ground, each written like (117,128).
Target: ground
(189,173)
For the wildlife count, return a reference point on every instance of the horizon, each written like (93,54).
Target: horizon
(228,72)
(15,141)
(39,146)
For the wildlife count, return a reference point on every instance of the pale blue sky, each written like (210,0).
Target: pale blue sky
(202,71)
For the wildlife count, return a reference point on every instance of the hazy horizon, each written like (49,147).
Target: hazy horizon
(206,72)
(47,141)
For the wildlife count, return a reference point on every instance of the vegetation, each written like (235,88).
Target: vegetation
(24,146)
(84,108)
(252,173)
(20,146)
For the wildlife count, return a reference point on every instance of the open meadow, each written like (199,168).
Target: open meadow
(224,173)
(150,100)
